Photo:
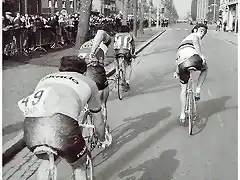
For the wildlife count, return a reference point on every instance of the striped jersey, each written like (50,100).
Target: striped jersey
(123,41)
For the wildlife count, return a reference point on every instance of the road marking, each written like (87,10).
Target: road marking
(218,115)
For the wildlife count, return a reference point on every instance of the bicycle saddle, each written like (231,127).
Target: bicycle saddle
(192,68)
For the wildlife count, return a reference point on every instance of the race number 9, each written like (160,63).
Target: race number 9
(36,98)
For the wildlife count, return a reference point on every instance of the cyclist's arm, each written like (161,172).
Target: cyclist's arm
(99,37)
(196,43)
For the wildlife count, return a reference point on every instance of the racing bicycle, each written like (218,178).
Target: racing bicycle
(91,142)
(190,108)
(119,75)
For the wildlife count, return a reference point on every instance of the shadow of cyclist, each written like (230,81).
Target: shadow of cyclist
(208,108)
(162,167)
(132,128)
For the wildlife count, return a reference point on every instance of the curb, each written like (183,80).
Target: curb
(13,147)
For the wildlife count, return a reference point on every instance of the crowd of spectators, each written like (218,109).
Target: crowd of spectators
(28,31)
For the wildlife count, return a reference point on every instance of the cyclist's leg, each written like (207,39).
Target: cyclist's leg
(128,68)
(98,75)
(104,94)
(184,77)
(116,61)
(203,68)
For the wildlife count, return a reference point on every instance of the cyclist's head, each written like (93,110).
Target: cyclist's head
(73,64)
(201,29)
(124,29)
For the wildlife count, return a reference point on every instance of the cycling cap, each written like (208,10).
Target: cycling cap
(73,64)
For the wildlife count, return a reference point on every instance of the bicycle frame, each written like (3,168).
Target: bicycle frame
(191,104)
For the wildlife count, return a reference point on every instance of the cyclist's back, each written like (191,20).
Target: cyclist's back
(122,41)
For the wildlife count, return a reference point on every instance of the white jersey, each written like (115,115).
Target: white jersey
(123,41)
(61,92)
(187,48)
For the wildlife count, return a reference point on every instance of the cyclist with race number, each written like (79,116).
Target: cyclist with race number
(124,44)
(52,111)
(95,52)
(190,55)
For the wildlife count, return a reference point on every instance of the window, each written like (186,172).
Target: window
(56,5)
(71,4)
(63,4)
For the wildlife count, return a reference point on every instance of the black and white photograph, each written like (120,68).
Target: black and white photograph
(120,89)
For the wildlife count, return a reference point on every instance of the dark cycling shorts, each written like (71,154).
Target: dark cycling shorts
(127,54)
(194,61)
(59,131)
(98,75)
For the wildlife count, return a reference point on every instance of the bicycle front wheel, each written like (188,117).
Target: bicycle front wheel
(89,166)
(190,112)
(120,84)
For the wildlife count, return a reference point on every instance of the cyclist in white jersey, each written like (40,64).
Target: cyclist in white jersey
(190,55)
(52,113)
(95,52)
(124,45)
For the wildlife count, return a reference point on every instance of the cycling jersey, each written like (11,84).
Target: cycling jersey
(123,41)
(100,54)
(62,92)
(186,48)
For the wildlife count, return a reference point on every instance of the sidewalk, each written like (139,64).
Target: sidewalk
(13,117)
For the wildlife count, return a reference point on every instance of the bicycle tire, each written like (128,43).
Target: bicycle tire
(52,168)
(119,84)
(89,166)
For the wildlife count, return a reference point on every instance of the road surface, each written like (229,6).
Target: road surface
(149,143)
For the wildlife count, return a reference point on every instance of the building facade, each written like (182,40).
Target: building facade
(213,10)
(108,7)
(232,15)
(202,9)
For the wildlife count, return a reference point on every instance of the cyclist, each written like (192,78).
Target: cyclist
(124,44)
(190,55)
(52,111)
(95,50)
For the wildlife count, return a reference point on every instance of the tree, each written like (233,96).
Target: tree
(125,11)
(83,25)
(52,7)
(141,16)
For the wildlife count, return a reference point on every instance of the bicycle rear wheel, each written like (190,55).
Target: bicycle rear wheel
(120,84)
(52,168)
(89,166)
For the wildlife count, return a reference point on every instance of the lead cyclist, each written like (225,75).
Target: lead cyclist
(190,55)
(124,44)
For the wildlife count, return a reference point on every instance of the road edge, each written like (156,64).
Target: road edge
(17,144)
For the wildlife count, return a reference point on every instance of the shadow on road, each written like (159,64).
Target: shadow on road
(133,127)
(162,167)
(127,156)
(153,82)
(208,108)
